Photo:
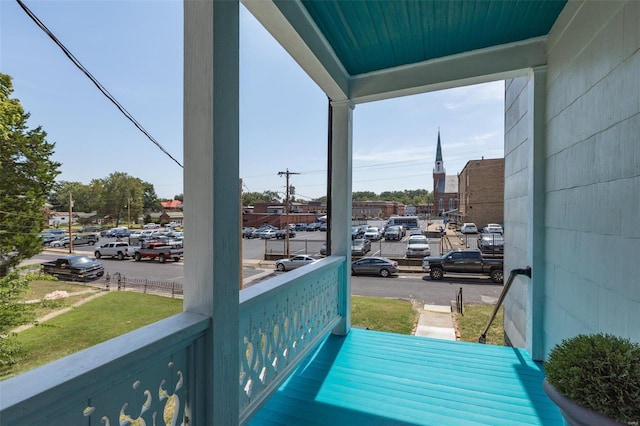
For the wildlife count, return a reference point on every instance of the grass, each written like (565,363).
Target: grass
(117,313)
(475,320)
(40,288)
(380,314)
(96,321)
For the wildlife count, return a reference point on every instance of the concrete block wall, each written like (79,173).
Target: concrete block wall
(591,174)
(516,182)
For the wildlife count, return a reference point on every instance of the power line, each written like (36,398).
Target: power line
(95,81)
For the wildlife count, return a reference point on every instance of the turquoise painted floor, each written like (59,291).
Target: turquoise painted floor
(374,378)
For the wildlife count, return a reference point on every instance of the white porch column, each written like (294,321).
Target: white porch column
(211,153)
(341,165)
(536,212)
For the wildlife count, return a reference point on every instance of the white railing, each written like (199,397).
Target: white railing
(282,320)
(140,376)
(151,375)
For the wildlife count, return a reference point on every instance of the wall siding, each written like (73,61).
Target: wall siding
(592,175)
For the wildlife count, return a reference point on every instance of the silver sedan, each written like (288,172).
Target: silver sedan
(295,262)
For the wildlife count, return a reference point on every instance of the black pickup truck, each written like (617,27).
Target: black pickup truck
(74,267)
(463,262)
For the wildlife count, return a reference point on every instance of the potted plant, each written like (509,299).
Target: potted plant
(595,380)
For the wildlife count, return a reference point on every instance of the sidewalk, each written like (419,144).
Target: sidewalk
(436,321)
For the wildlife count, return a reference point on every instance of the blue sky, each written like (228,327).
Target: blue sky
(134,48)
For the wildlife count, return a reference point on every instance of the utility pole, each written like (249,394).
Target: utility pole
(286,206)
(70,215)
(129,214)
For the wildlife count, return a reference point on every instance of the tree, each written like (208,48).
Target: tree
(13,313)
(123,196)
(150,203)
(250,198)
(27,176)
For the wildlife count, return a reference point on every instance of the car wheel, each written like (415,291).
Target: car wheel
(384,273)
(280,267)
(137,257)
(161,258)
(176,259)
(436,274)
(497,276)
(353,272)
(120,255)
(97,254)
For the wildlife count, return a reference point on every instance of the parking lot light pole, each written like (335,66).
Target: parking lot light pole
(286,208)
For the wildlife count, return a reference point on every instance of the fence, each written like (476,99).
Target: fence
(459,304)
(123,283)
(391,249)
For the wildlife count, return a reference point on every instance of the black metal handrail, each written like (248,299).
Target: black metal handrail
(514,272)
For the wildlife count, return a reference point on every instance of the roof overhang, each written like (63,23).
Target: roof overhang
(458,63)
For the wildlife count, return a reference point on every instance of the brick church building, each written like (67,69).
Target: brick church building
(445,188)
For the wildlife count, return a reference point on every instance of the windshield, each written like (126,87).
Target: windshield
(79,260)
(418,240)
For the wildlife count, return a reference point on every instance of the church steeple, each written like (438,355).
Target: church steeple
(439,167)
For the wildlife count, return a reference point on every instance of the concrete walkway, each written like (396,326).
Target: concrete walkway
(436,321)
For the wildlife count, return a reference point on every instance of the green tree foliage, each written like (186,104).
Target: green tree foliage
(84,197)
(150,203)
(179,197)
(406,197)
(27,175)
(123,196)
(13,313)
(250,198)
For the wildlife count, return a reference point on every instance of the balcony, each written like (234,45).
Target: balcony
(292,370)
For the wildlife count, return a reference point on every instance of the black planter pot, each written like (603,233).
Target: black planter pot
(574,414)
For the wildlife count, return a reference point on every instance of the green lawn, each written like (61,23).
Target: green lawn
(117,313)
(475,320)
(380,314)
(96,321)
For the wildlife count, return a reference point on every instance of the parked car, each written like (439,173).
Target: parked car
(150,226)
(48,238)
(74,267)
(90,229)
(360,247)
(247,231)
(491,243)
(281,234)
(60,242)
(117,249)
(356,232)
(374,266)
(323,227)
(295,262)
(256,232)
(313,226)
(469,228)
(418,246)
(392,233)
(79,240)
(492,228)
(372,233)
(300,227)
(268,234)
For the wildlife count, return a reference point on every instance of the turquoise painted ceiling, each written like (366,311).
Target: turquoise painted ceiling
(369,35)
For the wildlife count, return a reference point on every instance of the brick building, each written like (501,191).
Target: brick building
(481,186)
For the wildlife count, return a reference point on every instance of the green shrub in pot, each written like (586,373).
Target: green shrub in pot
(600,372)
